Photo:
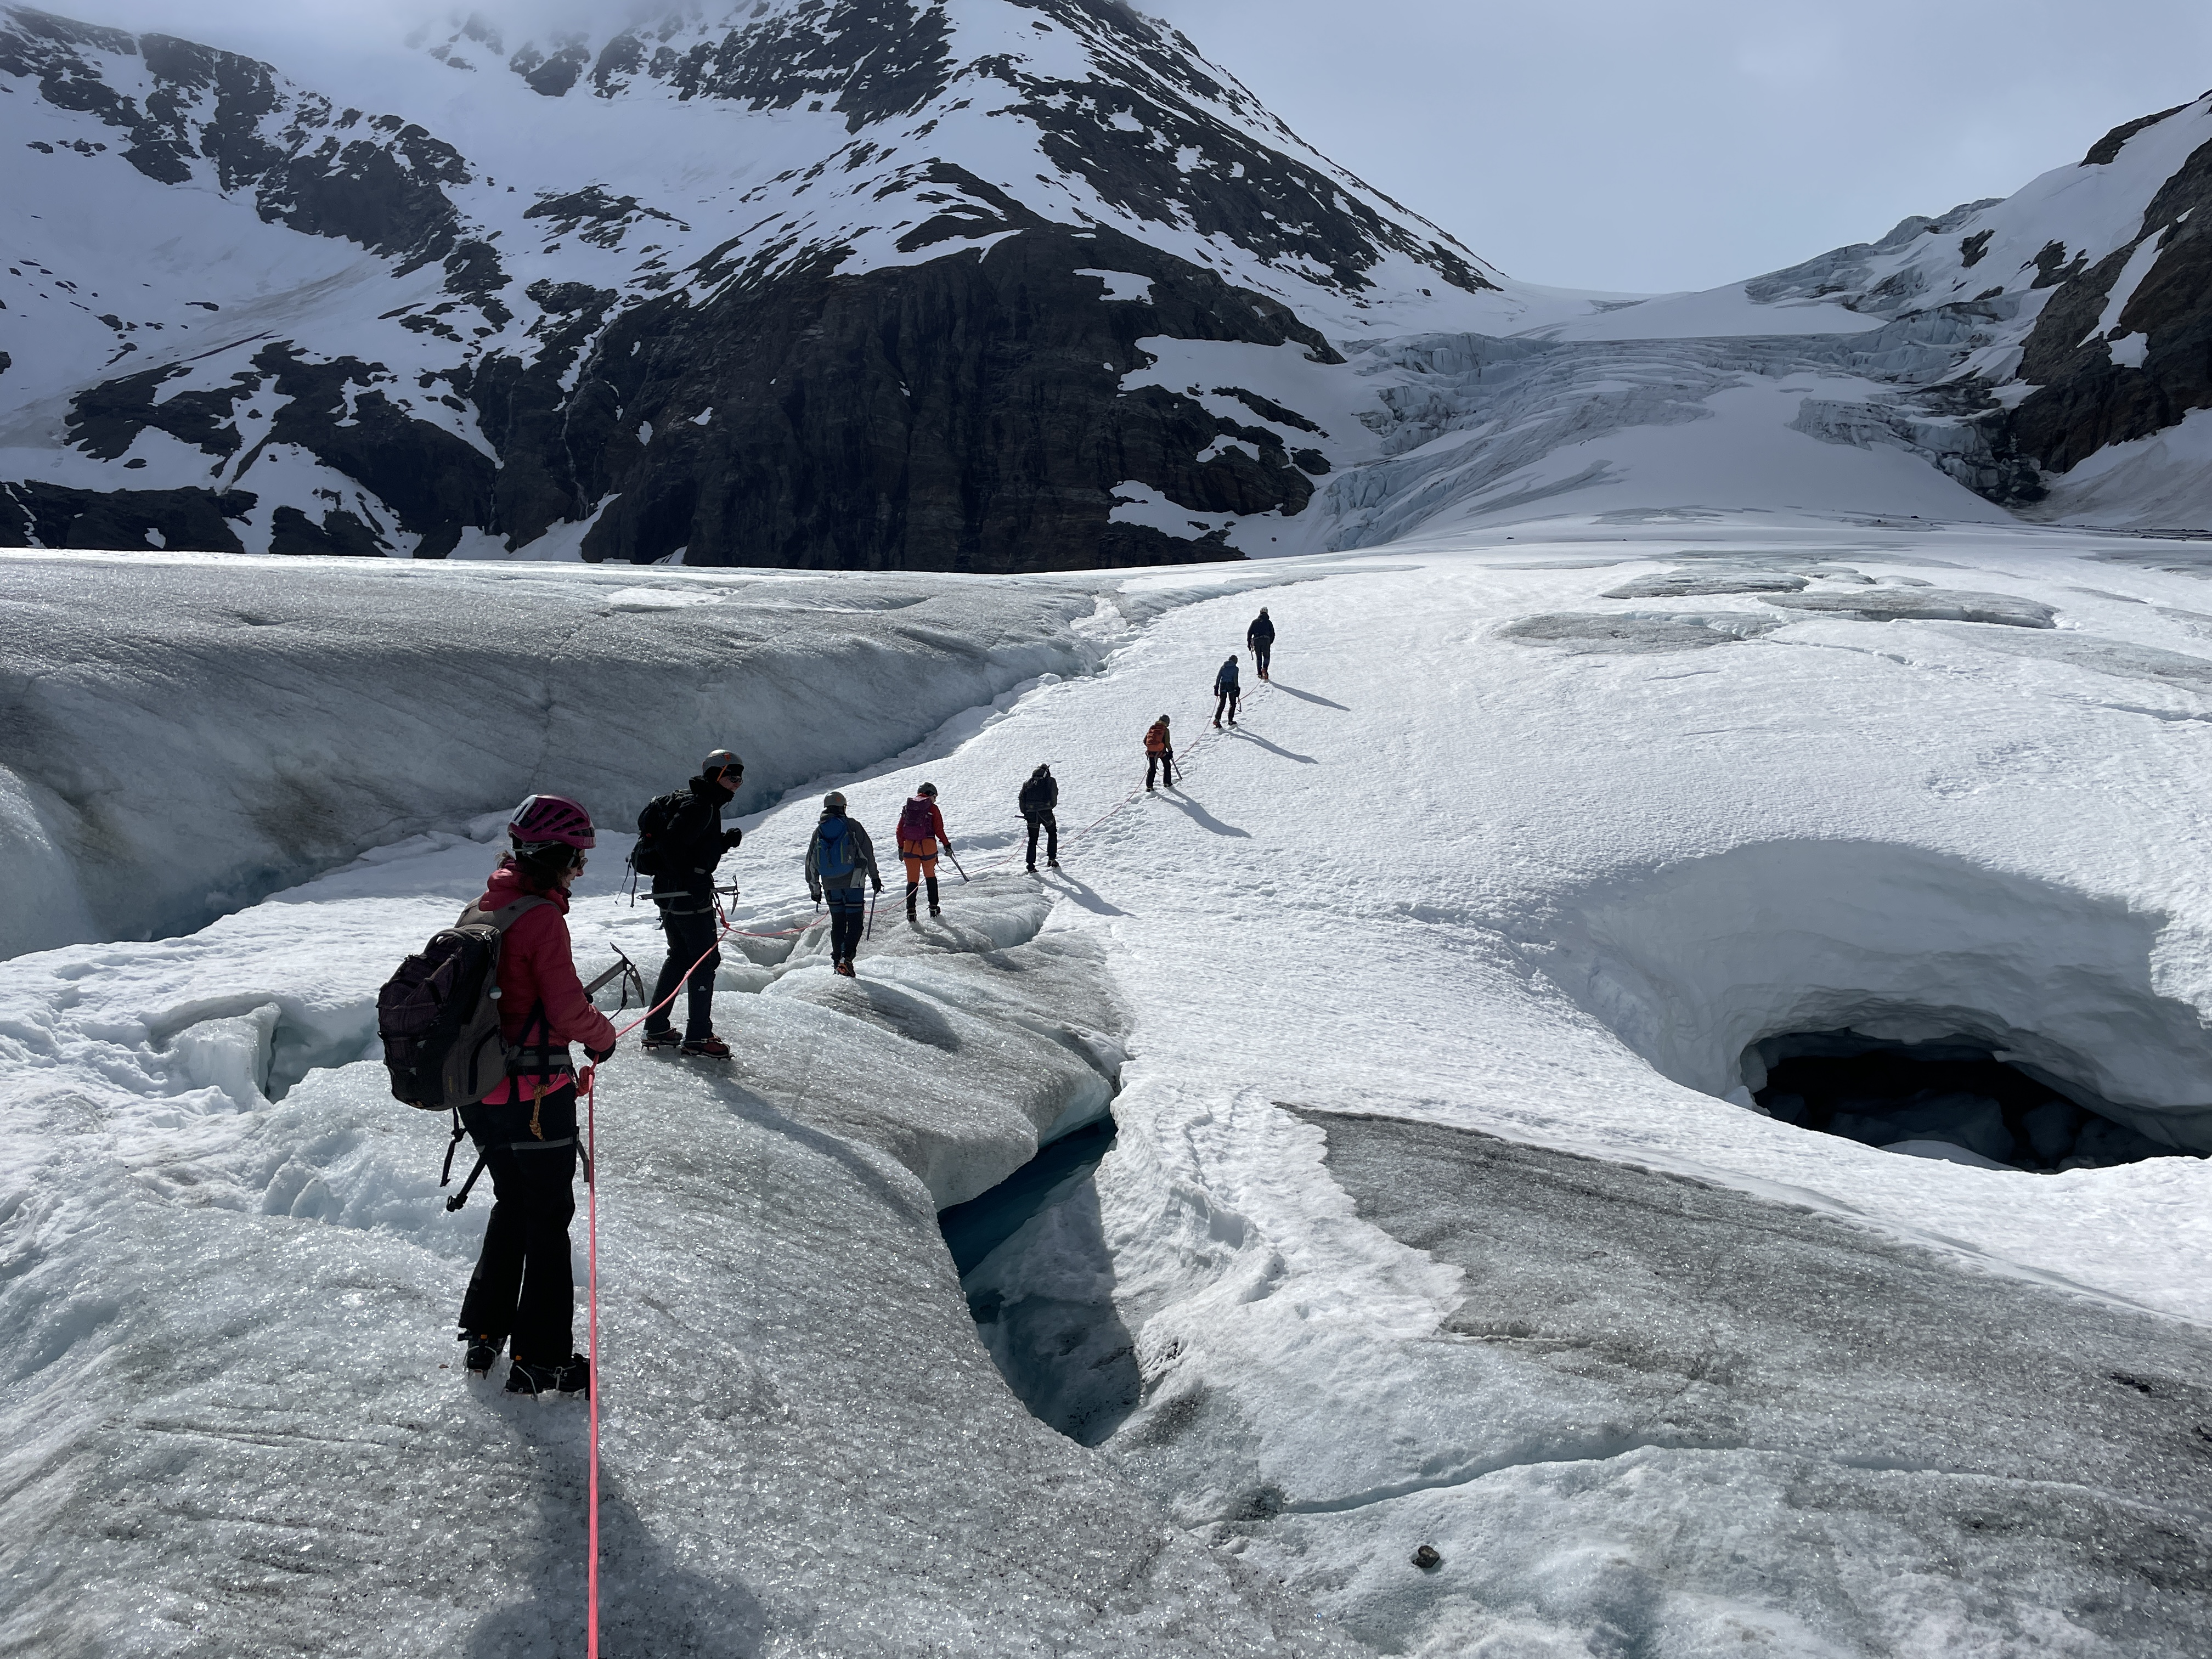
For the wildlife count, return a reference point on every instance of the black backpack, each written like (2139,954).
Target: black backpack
(439,1020)
(648,857)
(439,1015)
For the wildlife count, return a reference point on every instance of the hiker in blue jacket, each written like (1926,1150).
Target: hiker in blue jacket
(838,856)
(1225,691)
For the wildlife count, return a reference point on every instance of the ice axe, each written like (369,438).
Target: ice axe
(955,863)
(624,970)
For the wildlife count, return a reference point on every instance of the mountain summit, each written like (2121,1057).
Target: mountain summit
(842,285)
(981,285)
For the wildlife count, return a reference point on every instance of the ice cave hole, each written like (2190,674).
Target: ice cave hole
(1034,1261)
(1950,1098)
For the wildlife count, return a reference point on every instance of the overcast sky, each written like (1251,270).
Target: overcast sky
(1655,144)
(1641,145)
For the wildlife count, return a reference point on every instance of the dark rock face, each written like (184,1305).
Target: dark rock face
(45,515)
(959,415)
(2085,399)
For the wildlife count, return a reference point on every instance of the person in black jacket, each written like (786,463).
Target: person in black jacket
(1261,636)
(690,844)
(1040,795)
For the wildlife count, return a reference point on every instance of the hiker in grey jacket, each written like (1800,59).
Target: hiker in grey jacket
(839,857)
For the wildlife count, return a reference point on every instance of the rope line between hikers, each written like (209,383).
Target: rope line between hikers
(587,1081)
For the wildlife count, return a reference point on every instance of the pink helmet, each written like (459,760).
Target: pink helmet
(542,820)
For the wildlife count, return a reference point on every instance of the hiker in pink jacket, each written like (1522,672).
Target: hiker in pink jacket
(526,1128)
(921,832)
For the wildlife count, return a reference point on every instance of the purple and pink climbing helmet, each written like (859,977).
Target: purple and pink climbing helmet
(544,820)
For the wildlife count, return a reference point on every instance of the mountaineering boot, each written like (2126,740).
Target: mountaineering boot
(845,968)
(1033,867)
(709,1047)
(1055,863)
(913,889)
(664,1038)
(483,1352)
(572,1375)
(932,896)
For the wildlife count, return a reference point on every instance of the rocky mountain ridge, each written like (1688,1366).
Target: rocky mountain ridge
(986,285)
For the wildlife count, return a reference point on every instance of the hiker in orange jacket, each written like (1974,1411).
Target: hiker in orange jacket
(920,830)
(1160,753)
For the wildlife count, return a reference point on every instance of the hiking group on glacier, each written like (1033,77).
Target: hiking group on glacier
(480,1022)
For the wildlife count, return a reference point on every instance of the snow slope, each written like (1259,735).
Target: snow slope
(1520,852)
(760,284)
(353,704)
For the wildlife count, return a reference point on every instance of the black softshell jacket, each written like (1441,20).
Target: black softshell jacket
(691,846)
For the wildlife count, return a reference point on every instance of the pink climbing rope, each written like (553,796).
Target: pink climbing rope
(591,1301)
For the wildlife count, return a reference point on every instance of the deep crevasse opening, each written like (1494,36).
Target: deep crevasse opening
(1695,964)
(1953,1100)
(1034,1260)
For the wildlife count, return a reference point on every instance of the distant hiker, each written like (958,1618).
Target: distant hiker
(1226,693)
(838,855)
(1160,753)
(522,1291)
(680,841)
(1261,636)
(921,828)
(1040,796)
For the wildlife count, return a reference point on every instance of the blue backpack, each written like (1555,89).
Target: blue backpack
(836,858)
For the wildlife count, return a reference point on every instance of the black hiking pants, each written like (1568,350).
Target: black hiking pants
(848,915)
(1261,650)
(1163,763)
(1224,701)
(1049,823)
(523,1288)
(690,938)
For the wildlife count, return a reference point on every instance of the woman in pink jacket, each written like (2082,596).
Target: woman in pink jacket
(523,1289)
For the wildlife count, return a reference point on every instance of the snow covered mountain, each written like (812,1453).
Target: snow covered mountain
(981,285)
(2050,350)
(784,283)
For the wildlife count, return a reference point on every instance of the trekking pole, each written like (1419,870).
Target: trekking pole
(874,899)
(591,1301)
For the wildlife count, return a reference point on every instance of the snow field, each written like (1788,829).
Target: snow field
(1732,1387)
(1928,824)
(231,1315)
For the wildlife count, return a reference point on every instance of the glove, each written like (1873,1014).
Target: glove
(598,1056)
(814,895)
(730,838)
(879,885)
